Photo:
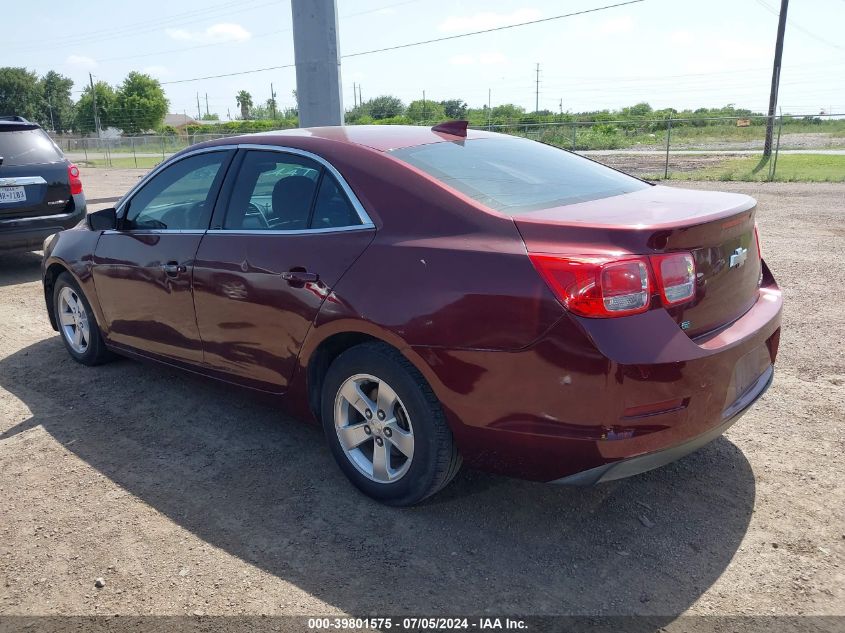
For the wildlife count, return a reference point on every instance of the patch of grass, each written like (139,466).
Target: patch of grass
(790,168)
(122,163)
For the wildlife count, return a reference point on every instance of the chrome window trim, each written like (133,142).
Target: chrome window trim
(16,181)
(337,229)
(155,232)
(366,221)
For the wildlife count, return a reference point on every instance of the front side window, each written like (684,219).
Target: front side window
(286,192)
(180,197)
(515,176)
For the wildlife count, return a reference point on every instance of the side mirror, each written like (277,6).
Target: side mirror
(102,220)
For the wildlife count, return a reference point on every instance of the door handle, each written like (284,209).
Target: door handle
(300,277)
(173,268)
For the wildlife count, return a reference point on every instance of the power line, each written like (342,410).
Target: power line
(420,43)
(798,27)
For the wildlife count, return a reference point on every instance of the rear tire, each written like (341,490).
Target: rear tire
(77,324)
(402,451)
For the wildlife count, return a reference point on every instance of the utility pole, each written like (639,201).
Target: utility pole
(273,100)
(773,95)
(199,112)
(423,106)
(94,105)
(360,98)
(537,91)
(228,114)
(207,112)
(354,95)
(489,107)
(52,123)
(316,51)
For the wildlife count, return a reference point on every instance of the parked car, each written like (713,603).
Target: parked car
(40,189)
(433,296)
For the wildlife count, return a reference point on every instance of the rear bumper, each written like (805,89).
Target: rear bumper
(598,399)
(650,461)
(28,234)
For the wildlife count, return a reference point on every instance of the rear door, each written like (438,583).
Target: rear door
(33,174)
(290,227)
(143,271)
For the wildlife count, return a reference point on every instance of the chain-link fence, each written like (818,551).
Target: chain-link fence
(724,148)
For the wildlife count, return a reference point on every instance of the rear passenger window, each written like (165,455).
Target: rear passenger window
(333,209)
(277,191)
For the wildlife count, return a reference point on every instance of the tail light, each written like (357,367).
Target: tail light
(597,287)
(74,179)
(675,275)
(601,287)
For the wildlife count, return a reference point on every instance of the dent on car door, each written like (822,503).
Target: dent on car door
(142,271)
(287,233)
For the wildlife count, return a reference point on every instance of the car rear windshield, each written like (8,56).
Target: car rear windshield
(514,175)
(27,147)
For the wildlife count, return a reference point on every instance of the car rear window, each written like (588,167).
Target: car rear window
(27,147)
(514,175)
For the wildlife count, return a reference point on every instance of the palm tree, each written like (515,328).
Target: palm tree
(244,100)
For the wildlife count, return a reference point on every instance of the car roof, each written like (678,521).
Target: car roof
(379,137)
(16,123)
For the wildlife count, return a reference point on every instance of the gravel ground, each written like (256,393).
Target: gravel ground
(187,498)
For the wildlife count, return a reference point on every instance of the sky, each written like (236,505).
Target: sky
(681,53)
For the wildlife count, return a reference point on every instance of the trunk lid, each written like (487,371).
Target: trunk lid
(717,228)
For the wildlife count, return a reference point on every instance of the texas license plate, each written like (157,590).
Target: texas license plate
(12,194)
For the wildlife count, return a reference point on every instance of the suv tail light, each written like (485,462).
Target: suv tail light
(602,287)
(597,287)
(74,179)
(675,275)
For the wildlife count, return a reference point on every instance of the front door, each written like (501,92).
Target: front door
(143,271)
(290,231)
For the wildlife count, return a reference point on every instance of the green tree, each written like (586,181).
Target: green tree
(244,101)
(420,111)
(83,120)
(210,116)
(56,108)
(20,93)
(385,107)
(455,108)
(140,104)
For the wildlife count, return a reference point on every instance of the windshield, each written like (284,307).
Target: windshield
(514,175)
(27,147)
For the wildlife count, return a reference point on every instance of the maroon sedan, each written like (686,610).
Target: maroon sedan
(435,296)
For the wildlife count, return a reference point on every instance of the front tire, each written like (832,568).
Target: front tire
(385,426)
(77,323)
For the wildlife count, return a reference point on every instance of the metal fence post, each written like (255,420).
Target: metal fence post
(161,138)
(668,141)
(777,147)
(574,135)
(134,155)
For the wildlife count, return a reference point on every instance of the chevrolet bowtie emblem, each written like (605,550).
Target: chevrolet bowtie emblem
(738,257)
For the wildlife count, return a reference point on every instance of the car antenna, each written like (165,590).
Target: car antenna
(456,128)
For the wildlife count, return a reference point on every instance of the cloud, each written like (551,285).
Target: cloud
(223,32)
(486,20)
(613,26)
(484,59)
(681,38)
(159,71)
(81,60)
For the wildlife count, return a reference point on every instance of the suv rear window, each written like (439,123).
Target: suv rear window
(27,147)
(514,175)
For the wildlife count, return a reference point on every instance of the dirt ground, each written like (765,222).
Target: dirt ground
(189,498)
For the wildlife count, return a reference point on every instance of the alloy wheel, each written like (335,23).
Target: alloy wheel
(374,428)
(73,320)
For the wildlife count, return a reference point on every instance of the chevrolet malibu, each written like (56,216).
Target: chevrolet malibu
(434,296)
